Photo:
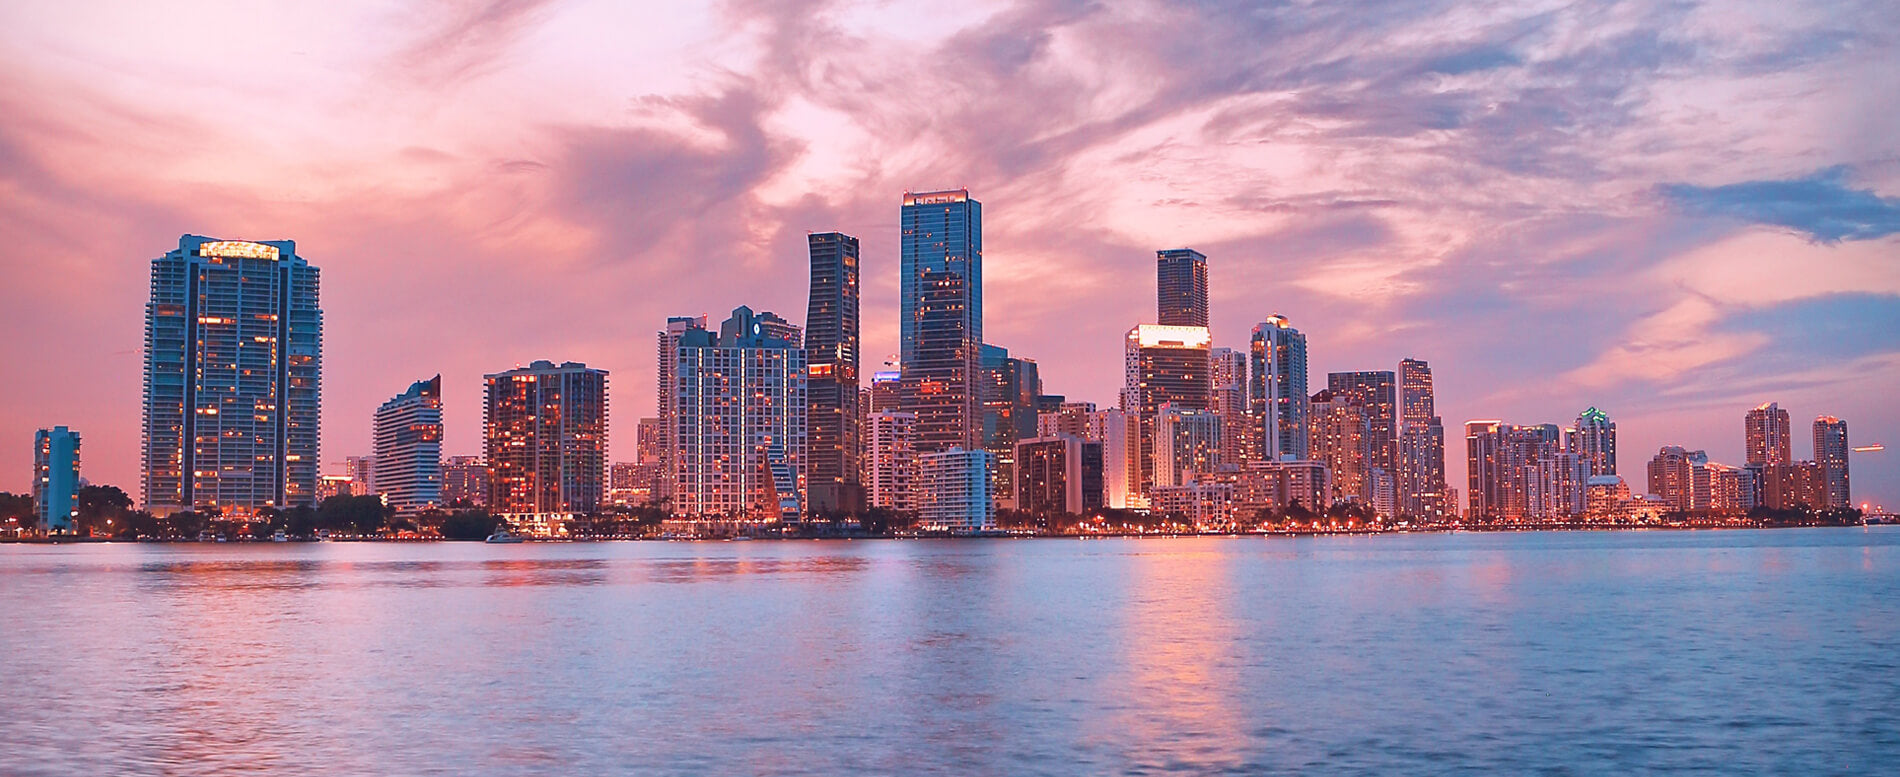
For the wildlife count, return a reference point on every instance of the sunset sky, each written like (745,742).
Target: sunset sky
(1673,211)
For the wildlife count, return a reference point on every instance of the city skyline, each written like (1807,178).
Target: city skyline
(1728,292)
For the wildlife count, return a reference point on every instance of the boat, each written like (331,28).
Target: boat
(280,536)
(502,537)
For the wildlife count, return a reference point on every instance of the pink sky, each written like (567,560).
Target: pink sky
(1671,213)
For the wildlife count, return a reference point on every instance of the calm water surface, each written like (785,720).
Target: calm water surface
(1585,653)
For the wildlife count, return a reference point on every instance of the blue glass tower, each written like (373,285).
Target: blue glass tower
(942,330)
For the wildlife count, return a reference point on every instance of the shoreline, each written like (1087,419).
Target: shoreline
(998,535)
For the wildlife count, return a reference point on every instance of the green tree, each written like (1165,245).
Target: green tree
(17,513)
(102,509)
(364,514)
(469,525)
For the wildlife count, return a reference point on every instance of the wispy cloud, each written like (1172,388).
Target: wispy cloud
(1820,205)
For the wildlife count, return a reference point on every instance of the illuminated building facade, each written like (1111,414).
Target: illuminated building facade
(668,390)
(545,441)
(1181,287)
(1119,432)
(1277,388)
(891,458)
(233,378)
(1200,503)
(409,448)
(1731,489)
(832,440)
(1228,374)
(740,441)
(953,491)
(1070,418)
(464,481)
(1594,438)
(1377,392)
(1830,452)
(887,391)
(1501,461)
(1794,485)
(1187,443)
(1681,478)
(1008,389)
(1163,365)
(1060,474)
(1341,439)
(941,284)
(1558,488)
(1606,497)
(1421,463)
(362,471)
(632,483)
(1277,485)
(649,441)
(56,478)
(1766,432)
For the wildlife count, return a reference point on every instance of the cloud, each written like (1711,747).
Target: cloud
(1820,205)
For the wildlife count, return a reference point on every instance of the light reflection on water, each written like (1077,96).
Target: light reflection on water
(1726,652)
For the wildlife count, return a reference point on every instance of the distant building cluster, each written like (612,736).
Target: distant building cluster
(759,420)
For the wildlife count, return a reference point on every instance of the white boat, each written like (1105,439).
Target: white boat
(280,536)
(502,537)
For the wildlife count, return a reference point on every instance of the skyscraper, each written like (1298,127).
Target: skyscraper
(740,444)
(1830,452)
(1181,287)
(832,437)
(545,441)
(1163,365)
(1007,389)
(233,377)
(1421,464)
(1061,474)
(1239,441)
(56,478)
(1377,391)
(1187,444)
(667,390)
(1341,438)
(409,448)
(1766,432)
(1502,461)
(1681,477)
(942,308)
(1277,390)
(1594,438)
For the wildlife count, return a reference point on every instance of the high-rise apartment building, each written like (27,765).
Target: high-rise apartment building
(1187,444)
(1070,418)
(1277,388)
(1181,287)
(1558,487)
(1501,461)
(1341,438)
(56,478)
(740,446)
(1594,438)
(891,458)
(1731,489)
(887,391)
(362,472)
(1228,374)
(464,481)
(953,491)
(408,436)
(649,441)
(1766,432)
(668,391)
(1681,478)
(1060,474)
(233,377)
(832,439)
(1377,392)
(941,280)
(1008,390)
(545,442)
(1830,452)
(1119,432)
(1163,365)
(1421,447)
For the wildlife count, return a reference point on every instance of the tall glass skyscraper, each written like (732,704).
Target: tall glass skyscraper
(233,377)
(408,463)
(942,309)
(1181,287)
(1421,462)
(741,437)
(1830,453)
(1377,390)
(1277,389)
(833,438)
(1594,438)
